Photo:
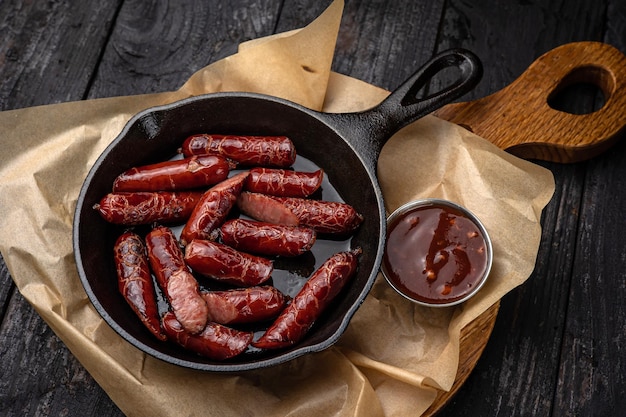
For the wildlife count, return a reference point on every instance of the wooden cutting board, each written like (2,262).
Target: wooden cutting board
(520,120)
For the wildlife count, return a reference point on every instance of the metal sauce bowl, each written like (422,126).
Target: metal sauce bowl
(437,253)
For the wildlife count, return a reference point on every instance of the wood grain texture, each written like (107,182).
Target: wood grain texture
(518,362)
(474,339)
(156,45)
(519,373)
(367,52)
(521,119)
(557,345)
(39,352)
(141,56)
(477,115)
(48,49)
(592,371)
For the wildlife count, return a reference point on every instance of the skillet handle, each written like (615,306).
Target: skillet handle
(403,106)
(368,130)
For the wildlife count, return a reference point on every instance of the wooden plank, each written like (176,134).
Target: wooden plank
(508,37)
(295,14)
(140,58)
(152,48)
(555,349)
(49,49)
(156,46)
(592,373)
(383,43)
(518,372)
(39,376)
(6,287)
(553,133)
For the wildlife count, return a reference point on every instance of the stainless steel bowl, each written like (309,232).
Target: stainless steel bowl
(417,248)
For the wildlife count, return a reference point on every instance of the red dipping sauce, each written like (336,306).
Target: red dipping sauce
(437,253)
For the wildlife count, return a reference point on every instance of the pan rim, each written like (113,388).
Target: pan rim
(253,364)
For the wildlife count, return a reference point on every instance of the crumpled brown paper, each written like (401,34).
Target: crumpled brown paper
(394,355)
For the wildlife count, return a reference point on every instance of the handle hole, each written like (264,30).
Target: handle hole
(433,83)
(584,90)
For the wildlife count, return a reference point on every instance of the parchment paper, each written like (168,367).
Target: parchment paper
(394,355)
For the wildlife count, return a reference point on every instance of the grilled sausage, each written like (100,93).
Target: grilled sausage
(215,341)
(267,238)
(266,208)
(283,183)
(316,294)
(328,217)
(135,282)
(245,305)
(277,151)
(226,264)
(180,174)
(135,208)
(212,209)
(173,276)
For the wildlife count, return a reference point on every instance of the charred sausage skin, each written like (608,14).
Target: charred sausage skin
(321,288)
(226,264)
(179,174)
(136,208)
(283,182)
(135,281)
(267,238)
(328,217)
(245,305)
(215,341)
(269,151)
(176,281)
(212,209)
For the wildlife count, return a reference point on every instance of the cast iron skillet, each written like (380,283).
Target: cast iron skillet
(345,145)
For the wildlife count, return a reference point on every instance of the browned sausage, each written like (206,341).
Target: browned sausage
(316,294)
(173,276)
(266,208)
(135,282)
(323,216)
(135,208)
(215,341)
(245,305)
(277,151)
(164,254)
(267,238)
(212,209)
(226,264)
(180,174)
(283,183)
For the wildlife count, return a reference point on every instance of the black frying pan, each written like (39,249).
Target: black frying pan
(345,145)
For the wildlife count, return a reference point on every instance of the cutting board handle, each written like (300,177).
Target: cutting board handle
(519,119)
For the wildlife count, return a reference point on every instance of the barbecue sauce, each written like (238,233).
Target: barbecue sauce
(434,254)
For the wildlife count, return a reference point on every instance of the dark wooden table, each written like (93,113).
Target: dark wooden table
(558,347)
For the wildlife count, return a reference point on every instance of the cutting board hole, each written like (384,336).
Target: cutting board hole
(583,91)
